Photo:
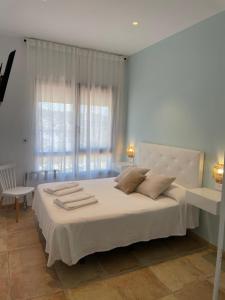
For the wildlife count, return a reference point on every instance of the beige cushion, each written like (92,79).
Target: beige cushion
(143,171)
(130,181)
(154,185)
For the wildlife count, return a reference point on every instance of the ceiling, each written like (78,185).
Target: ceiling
(104,24)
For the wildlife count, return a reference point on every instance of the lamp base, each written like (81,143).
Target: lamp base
(218,186)
(131,161)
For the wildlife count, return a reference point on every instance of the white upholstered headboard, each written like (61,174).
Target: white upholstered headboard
(186,165)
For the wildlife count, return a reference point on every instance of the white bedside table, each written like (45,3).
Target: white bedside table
(205,199)
(210,201)
(122,165)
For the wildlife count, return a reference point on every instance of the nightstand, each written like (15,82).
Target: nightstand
(121,166)
(212,202)
(205,199)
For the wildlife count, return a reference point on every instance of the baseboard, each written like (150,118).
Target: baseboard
(201,239)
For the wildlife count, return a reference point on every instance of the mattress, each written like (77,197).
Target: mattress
(116,220)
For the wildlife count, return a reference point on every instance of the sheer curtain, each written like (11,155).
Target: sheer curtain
(78,109)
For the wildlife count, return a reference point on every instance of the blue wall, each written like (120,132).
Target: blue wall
(176,93)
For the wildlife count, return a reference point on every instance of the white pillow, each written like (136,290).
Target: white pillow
(176,192)
(142,171)
(154,185)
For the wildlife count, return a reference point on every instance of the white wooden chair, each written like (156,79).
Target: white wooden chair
(9,188)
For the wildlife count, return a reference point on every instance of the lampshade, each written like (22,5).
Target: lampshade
(131,151)
(218,170)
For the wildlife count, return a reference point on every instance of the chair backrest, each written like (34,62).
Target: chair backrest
(7,177)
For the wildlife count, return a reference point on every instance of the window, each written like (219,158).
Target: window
(54,132)
(95,129)
(74,138)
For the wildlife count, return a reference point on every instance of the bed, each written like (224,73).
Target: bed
(118,219)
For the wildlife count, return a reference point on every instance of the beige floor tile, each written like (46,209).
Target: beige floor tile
(222,281)
(57,296)
(9,213)
(33,282)
(23,224)
(26,257)
(140,284)
(4,278)
(152,252)
(27,213)
(211,258)
(200,290)
(23,238)
(3,219)
(24,214)
(117,261)
(94,291)
(169,297)
(176,273)
(198,261)
(73,276)
(182,245)
(3,231)
(3,240)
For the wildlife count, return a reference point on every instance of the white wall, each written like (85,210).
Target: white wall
(14,110)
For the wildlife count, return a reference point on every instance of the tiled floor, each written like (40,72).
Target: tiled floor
(180,268)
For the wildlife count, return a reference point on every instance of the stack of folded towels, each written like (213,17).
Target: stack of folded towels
(75,197)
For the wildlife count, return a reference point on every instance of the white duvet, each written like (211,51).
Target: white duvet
(116,220)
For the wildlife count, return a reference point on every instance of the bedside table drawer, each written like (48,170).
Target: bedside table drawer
(205,199)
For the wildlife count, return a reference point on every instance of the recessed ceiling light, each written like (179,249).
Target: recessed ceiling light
(135,23)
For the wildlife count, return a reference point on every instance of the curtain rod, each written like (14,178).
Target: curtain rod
(124,57)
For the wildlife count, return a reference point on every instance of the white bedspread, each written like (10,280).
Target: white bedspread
(116,220)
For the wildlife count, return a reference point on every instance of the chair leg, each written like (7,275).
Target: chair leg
(17,209)
(25,202)
(1,200)
(33,193)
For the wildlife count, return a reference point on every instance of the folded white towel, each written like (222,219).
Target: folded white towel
(78,204)
(65,191)
(73,198)
(61,186)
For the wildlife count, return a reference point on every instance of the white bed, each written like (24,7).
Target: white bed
(119,219)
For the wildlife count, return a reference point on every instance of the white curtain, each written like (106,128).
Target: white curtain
(78,109)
